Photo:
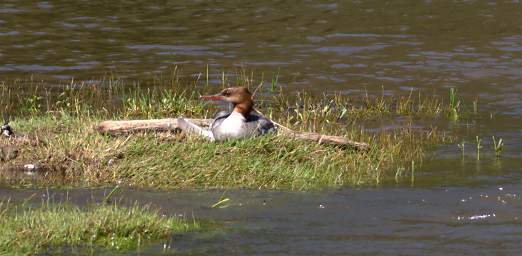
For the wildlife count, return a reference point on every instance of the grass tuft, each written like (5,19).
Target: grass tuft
(31,230)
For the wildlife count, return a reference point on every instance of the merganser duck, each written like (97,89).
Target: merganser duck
(242,122)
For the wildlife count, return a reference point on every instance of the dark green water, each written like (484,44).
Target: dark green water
(458,204)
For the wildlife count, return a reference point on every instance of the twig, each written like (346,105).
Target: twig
(257,88)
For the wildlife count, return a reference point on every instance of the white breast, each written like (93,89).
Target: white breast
(234,126)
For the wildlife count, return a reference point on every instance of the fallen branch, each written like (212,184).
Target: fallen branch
(150,125)
(171,124)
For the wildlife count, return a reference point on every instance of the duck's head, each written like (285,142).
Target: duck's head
(240,97)
(234,95)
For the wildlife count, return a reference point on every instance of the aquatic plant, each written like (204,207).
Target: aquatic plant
(462,147)
(273,83)
(398,174)
(498,146)
(221,203)
(479,146)
(454,105)
(206,78)
(475,107)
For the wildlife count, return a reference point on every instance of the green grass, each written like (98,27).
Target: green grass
(57,133)
(70,151)
(30,230)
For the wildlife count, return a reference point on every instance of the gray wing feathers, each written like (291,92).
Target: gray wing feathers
(265,126)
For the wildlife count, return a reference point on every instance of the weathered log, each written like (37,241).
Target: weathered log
(150,125)
(171,124)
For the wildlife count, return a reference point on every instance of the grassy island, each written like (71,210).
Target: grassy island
(55,133)
(51,228)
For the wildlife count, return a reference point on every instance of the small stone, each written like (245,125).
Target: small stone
(30,167)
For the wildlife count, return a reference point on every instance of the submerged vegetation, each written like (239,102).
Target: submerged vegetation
(55,132)
(49,227)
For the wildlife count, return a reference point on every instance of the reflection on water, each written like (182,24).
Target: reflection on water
(348,46)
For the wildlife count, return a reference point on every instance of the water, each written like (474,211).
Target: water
(347,46)
(473,220)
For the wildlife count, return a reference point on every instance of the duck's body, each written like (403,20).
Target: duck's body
(235,125)
(242,122)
